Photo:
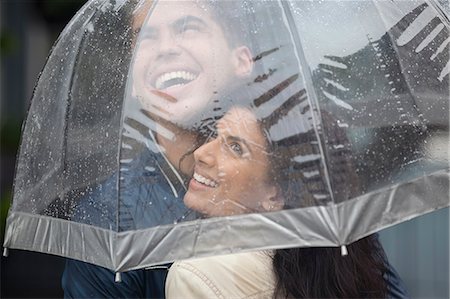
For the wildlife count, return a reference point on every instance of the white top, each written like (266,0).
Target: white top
(242,275)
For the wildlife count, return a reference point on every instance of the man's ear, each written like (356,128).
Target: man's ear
(274,201)
(243,61)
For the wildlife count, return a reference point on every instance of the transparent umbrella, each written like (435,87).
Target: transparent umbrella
(164,130)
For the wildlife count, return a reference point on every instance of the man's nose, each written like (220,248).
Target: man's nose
(169,45)
(206,154)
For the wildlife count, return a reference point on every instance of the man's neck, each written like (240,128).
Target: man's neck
(179,149)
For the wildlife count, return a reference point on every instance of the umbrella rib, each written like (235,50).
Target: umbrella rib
(307,77)
(309,86)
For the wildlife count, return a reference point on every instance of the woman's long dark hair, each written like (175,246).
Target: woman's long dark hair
(325,273)
(320,272)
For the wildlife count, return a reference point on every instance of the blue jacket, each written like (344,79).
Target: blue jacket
(144,198)
(83,280)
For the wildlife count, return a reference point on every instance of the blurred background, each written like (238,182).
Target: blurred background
(418,249)
(27,31)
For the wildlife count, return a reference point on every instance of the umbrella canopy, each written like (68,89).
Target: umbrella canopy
(164,130)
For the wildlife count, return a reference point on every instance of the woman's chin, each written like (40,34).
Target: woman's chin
(194,202)
(201,205)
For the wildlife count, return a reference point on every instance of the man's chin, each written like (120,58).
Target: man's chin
(195,120)
(187,123)
(188,117)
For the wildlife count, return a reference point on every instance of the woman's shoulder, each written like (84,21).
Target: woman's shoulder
(241,275)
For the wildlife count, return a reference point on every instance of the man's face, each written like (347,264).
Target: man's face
(184,63)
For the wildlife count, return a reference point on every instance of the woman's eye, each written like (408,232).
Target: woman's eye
(236,148)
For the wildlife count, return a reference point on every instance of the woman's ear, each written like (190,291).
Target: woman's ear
(274,200)
(243,61)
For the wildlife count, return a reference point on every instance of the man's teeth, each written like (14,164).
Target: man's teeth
(174,78)
(205,181)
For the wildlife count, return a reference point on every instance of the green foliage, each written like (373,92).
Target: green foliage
(5,202)
(8,43)
(59,11)
(9,141)
(10,136)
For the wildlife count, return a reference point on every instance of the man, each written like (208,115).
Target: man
(184,64)
(185,60)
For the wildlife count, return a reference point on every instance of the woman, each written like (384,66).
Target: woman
(236,173)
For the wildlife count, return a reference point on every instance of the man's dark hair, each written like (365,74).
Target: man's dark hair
(232,17)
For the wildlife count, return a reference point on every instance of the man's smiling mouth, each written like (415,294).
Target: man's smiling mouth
(172,79)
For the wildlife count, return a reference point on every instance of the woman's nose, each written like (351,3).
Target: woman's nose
(206,154)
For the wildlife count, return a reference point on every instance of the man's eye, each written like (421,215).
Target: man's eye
(236,148)
(191,27)
(148,35)
(188,28)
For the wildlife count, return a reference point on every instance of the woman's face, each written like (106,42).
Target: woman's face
(232,172)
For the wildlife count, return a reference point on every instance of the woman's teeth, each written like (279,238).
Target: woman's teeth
(205,181)
(174,78)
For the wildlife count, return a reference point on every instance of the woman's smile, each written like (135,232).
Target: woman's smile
(204,181)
